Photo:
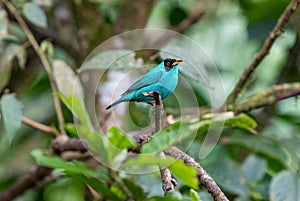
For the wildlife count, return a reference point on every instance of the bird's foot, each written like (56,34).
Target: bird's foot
(155,95)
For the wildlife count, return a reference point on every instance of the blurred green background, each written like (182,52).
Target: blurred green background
(246,166)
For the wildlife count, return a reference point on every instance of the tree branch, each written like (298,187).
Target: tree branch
(269,96)
(35,176)
(277,31)
(204,178)
(44,60)
(39,126)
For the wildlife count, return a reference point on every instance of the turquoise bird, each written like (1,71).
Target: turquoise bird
(163,79)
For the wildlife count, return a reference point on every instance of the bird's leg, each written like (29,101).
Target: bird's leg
(150,103)
(157,108)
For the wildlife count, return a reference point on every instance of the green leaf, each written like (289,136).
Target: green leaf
(163,139)
(99,186)
(74,167)
(5,70)
(254,168)
(262,145)
(7,55)
(194,195)
(3,21)
(8,37)
(67,82)
(168,197)
(242,121)
(136,191)
(47,48)
(64,189)
(285,186)
(184,172)
(35,14)
(179,131)
(229,176)
(111,149)
(11,114)
(77,107)
(21,56)
(119,139)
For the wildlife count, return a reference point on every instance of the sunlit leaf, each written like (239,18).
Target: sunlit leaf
(47,47)
(11,114)
(194,195)
(67,82)
(184,172)
(166,137)
(35,14)
(183,130)
(111,151)
(77,107)
(285,186)
(119,139)
(74,167)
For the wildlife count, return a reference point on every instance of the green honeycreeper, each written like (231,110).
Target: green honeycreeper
(162,79)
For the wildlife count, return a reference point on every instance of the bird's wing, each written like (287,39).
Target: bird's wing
(148,79)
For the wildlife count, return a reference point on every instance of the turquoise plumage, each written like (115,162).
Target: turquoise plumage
(163,79)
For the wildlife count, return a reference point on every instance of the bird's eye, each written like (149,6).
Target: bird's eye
(168,64)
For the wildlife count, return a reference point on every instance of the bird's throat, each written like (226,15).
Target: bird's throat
(167,68)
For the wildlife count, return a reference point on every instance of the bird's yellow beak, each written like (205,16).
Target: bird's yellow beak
(176,62)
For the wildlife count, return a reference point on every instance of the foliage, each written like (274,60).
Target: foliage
(251,156)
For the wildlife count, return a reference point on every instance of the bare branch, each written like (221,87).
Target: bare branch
(269,96)
(204,178)
(32,180)
(277,31)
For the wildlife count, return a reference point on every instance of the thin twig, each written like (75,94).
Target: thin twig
(39,126)
(44,60)
(204,178)
(277,31)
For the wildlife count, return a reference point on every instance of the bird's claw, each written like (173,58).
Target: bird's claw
(151,93)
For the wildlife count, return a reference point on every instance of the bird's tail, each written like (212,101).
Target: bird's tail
(115,103)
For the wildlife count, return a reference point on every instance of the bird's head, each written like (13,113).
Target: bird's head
(171,62)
